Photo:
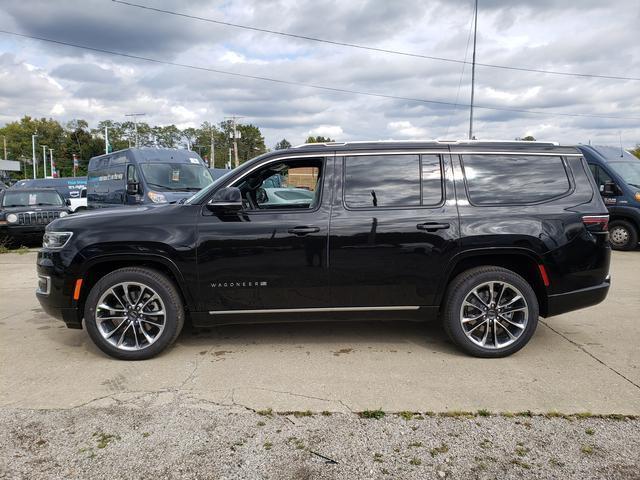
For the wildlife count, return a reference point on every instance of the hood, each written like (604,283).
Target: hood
(34,208)
(140,215)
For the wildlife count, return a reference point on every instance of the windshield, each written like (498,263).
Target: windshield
(629,171)
(18,198)
(203,193)
(176,176)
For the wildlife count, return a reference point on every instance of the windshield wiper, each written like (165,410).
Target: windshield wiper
(634,185)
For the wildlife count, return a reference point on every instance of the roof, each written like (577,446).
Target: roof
(146,154)
(609,154)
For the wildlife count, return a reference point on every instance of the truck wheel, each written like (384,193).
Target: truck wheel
(622,235)
(490,312)
(134,313)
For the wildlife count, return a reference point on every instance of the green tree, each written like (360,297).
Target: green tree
(528,138)
(283,144)
(319,139)
(636,151)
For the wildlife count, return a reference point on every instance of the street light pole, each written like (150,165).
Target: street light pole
(52,165)
(106,139)
(44,160)
(473,71)
(135,122)
(33,145)
(212,160)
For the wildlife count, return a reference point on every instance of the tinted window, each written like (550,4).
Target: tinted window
(520,179)
(382,181)
(431,180)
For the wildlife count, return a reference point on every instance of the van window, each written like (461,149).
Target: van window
(374,181)
(514,179)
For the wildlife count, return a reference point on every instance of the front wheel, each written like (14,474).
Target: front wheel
(490,312)
(134,313)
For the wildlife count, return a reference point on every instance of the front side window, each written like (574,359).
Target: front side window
(284,185)
(18,198)
(374,181)
(176,176)
(514,179)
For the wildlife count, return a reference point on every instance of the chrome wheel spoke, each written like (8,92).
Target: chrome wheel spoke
(121,321)
(494,314)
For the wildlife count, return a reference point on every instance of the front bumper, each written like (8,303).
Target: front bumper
(54,291)
(577,299)
(22,231)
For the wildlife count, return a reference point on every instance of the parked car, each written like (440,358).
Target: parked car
(71,188)
(485,236)
(138,176)
(273,197)
(617,174)
(24,213)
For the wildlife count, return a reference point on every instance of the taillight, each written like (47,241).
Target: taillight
(596,223)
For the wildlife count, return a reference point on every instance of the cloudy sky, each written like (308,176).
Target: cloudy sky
(583,36)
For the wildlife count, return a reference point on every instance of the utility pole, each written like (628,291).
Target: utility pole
(135,122)
(106,139)
(473,70)
(52,165)
(235,139)
(44,160)
(33,146)
(212,159)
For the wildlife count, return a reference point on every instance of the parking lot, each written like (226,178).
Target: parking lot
(321,400)
(587,360)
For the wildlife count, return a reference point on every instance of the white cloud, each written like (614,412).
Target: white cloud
(405,130)
(332,131)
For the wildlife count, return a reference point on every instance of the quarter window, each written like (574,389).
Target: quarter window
(514,179)
(375,181)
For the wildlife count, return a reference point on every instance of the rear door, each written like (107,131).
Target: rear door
(394,227)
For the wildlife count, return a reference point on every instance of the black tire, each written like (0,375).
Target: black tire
(463,285)
(623,235)
(165,289)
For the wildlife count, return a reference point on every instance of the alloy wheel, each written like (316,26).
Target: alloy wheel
(494,315)
(130,316)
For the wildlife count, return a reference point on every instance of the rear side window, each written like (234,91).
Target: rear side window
(514,179)
(375,181)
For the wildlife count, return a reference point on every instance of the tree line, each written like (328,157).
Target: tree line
(78,138)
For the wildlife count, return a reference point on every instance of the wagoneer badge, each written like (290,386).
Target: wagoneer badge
(238,284)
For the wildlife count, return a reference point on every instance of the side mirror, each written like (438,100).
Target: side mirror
(67,202)
(226,199)
(133,188)
(609,189)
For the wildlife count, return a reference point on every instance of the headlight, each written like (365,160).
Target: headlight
(63,214)
(637,195)
(12,218)
(156,197)
(56,239)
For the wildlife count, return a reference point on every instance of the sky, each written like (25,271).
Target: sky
(584,36)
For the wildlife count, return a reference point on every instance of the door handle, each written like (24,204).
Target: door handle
(432,226)
(300,231)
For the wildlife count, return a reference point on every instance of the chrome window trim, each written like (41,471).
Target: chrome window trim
(315,310)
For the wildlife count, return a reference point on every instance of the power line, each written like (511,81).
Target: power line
(308,85)
(373,49)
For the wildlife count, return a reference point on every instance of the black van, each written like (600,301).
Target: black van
(136,176)
(617,174)
(485,236)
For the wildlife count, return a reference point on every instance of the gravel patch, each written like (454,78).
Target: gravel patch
(183,439)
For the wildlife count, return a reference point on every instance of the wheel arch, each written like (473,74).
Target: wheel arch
(100,266)
(523,262)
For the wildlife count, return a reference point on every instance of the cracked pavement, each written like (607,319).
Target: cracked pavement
(587,360)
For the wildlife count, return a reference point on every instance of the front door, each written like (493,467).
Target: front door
(394,228)
(272,255)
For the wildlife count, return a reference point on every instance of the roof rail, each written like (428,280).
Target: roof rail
(455,142)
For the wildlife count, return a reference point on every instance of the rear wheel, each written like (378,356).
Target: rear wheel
(622,235)
(490,311)
(134,313)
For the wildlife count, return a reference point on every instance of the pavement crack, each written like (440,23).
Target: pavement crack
(621,375)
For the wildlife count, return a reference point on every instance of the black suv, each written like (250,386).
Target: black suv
(24,213)
(487,236)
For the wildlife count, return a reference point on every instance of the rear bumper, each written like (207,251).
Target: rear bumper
(577,299)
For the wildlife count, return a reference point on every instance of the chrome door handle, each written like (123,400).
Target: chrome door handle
(300,231)
(432,226)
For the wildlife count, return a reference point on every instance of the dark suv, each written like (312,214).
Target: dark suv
(486,236)
(24,213)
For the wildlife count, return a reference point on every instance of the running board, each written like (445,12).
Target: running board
(315,310)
